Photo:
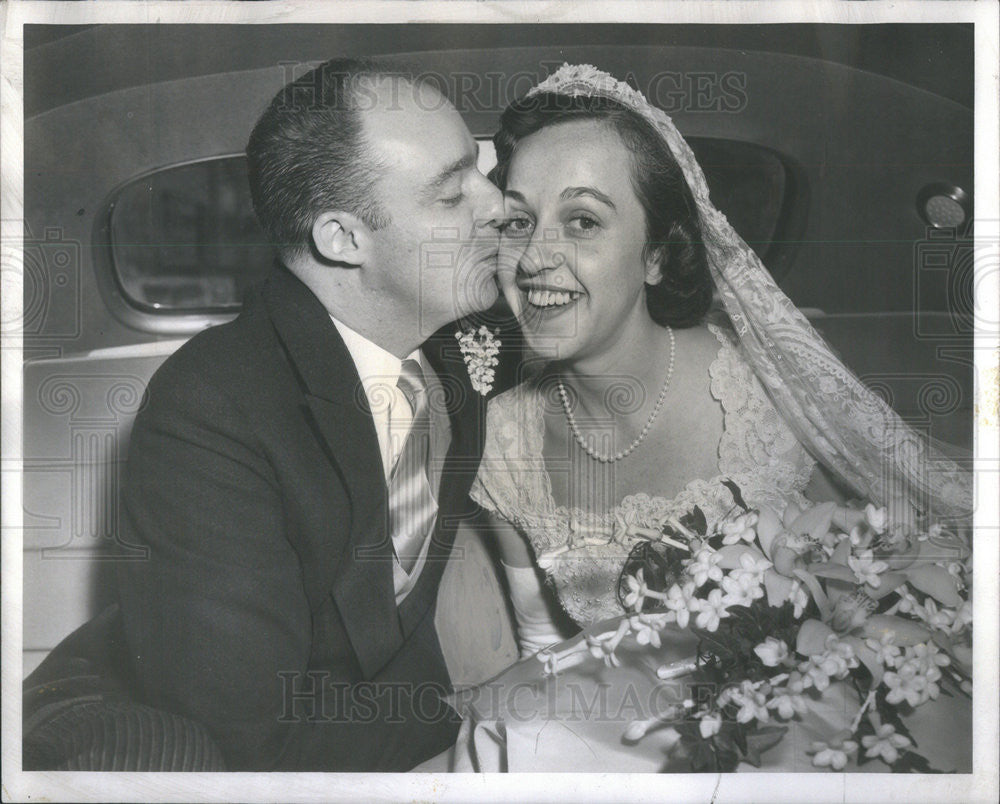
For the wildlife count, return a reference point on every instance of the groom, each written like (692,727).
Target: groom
(298,474)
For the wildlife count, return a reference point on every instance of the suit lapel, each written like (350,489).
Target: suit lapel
(338,408)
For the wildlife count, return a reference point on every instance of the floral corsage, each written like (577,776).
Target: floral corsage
(480,348)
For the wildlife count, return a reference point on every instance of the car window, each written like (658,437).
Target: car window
(184,239)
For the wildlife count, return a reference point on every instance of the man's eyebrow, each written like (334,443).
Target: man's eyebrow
(593,192)
(466,162)
(516,196)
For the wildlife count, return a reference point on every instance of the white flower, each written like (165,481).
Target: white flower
(963,617)
(925,659)
(795,683)
(834,662)
(832,754)
(885,651)
(772,652)
(713,609)
(736,593)
(787,703)
(549,660)
(751,570)
(843,651)
(637,591)
(814,674)
(906,684)
(740,529)
(908,604)
(704,567)
(941,619)
(876,517)
(752,703)
(798,597)
(682,602)
(885,743)
(647,627)
(710,724)
(859,537)
(866,568)
(603,646)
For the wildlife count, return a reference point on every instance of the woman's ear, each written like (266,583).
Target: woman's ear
(341,237)
(654,265)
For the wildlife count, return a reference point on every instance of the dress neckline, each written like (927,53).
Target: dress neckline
(695,487)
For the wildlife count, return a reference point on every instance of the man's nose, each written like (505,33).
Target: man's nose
(490,213)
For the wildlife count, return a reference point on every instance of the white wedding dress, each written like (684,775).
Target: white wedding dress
(583,552)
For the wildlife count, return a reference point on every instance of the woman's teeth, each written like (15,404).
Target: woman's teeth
(551,298)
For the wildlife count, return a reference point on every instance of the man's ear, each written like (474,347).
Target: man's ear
(654,265)
(341,237)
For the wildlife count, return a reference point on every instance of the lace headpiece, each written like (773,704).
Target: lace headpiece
(846,426)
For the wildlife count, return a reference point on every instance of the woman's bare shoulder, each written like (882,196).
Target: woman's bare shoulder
(700,345)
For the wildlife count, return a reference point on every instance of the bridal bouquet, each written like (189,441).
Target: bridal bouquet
(783,608)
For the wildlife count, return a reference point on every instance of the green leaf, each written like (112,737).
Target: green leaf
(890,582)
(908,633)
(737,494)
(848,518)
(695,521)
(867,657)
(912,762)
(762,739)
(830,570)
(812,637)
(936,581)
(815,521)
(740,737)
(729,555)
(778,588)
(727,760)
(840,554)
(702,757)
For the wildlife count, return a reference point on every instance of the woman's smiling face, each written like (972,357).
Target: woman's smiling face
(579,234)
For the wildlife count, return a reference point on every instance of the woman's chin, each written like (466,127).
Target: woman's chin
(551,346)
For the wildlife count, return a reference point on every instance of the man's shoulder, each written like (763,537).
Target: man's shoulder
(227,359)
(222,351)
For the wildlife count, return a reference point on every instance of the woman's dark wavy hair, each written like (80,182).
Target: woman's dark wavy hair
(684,295)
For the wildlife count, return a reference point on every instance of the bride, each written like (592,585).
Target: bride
(639,402)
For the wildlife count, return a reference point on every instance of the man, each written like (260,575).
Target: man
(298,474)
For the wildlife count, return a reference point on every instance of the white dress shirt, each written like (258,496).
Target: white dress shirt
(392,416)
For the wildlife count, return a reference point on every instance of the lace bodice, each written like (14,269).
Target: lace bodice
(583,552)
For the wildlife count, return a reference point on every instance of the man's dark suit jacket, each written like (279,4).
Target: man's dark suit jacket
(266,607)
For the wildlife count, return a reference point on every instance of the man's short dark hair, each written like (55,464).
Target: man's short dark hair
(308,153)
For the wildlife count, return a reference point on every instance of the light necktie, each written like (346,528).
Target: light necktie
(412,508)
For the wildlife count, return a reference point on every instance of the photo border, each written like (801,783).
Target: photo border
(982,784)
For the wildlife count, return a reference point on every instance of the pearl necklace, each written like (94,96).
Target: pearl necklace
(600,456)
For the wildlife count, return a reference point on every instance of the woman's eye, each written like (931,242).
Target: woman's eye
(453,201)
(518,226)
(583,224)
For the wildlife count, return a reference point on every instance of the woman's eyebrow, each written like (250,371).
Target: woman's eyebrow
(593,192)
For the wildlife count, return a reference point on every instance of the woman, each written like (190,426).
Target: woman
(640,407)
